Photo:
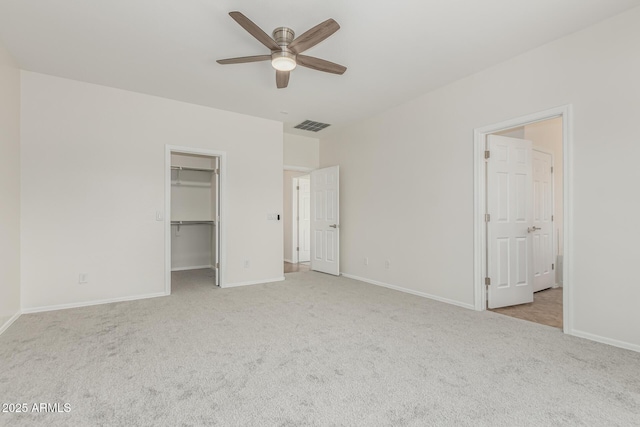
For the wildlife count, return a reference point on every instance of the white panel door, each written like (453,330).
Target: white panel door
(304,219)
(325,221)
(509,204)
(543,272)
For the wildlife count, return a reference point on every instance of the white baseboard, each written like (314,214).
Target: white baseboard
(255,282)
(195,267)
(410,291)
(604,340)
(90,303)
(290,261)
(9,322)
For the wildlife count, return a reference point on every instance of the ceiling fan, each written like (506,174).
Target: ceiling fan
(286,49)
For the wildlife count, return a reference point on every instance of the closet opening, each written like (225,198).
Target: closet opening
(193,220)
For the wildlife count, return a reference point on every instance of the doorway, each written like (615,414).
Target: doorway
(194,226)
(295,220)
(312,220)
(522,214)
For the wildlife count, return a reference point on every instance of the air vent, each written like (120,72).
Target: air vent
(312,126)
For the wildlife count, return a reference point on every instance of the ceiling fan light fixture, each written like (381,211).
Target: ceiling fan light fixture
(283,61)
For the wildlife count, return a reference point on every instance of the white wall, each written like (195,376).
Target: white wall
(301,151)
(517,132)
(407,175)
(287,212)
(547,134)
(88,208)
(9,188)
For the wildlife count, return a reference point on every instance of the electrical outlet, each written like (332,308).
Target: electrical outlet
(247,263)
(366,260)
(387,264)
(83,278)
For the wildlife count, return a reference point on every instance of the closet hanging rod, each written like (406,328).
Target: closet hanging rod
(185,168)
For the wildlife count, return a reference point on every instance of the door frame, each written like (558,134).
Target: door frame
(220,223)
(480,204)
(295,217)
(294,222)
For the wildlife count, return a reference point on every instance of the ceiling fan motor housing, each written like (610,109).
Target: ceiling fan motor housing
(283,36)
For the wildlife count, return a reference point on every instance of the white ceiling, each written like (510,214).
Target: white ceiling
(394,51)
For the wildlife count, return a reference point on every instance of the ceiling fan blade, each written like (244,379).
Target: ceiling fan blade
(282,79)
(320,64)
(254,30)
(314,36)
(244,59)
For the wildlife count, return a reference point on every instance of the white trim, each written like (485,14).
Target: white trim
(222,198)
(195,267)
(297,168)
(409,291)
(479,204)
(295,217)
(253,282)
(9,322)
(90,303)
(295,221)
(290,261)
(604,340)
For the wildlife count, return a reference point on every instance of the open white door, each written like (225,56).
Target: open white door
(325,220)
(509,222)
(543,271)
(304,219)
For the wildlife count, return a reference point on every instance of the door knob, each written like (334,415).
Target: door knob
(334,226)
(532,229)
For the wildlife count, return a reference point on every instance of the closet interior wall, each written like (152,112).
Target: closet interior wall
(193,211)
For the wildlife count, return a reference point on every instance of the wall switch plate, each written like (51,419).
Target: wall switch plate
(247,263)
(366,260)
(83,278)
(159,216)
(387,264)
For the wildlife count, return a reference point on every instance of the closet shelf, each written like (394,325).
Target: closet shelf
(190,184)
(192,222)
(186,168)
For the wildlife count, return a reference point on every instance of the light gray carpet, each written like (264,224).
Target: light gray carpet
(313,350)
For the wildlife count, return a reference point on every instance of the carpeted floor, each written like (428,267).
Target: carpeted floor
(312,350)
